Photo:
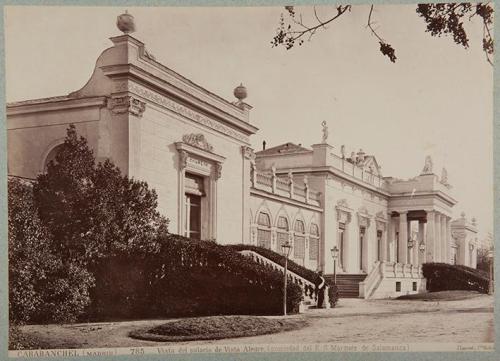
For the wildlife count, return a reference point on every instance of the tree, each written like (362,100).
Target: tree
(92,210)
(41,287)
(484,261)
(440,19)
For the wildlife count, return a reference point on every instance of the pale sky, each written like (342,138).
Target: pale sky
(437,99)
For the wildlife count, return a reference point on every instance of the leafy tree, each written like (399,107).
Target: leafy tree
(483,254)
(441,19)
(41,287)
(92,210)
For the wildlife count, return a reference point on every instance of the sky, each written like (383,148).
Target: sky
(437,99)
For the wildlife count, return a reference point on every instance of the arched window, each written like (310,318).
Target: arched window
(282,232)
(264,230)
(299,240)
(314,242)
(51,156)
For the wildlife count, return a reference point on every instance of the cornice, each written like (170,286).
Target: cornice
(232,115)
(49,105)
(282,199)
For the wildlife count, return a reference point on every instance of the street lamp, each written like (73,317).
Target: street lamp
(335,254)
(421,248)
(286,247)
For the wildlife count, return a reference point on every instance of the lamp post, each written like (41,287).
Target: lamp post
(421,247)
(410,246)
(335,254)
(286,247)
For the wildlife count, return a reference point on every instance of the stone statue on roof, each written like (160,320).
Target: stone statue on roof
(444,176)
(325,131)
(428,165)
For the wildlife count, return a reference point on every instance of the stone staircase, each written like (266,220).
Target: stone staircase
(348,284)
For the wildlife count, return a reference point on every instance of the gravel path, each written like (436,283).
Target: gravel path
(353,320)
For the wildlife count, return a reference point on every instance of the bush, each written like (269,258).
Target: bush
(333,295)
(309,275)
(42,288)
(188,278)
(444,277)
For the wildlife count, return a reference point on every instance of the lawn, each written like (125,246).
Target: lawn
(216,327)
(441,296)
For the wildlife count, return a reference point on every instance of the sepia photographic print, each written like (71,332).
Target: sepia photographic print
(249,180)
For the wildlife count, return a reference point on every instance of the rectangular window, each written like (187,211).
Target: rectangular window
(361,241)
(398,286)
(414,286)
(341,245)
(264,238)
(299,247)
(282,239)
(313,249)
(379,246)
(194,216)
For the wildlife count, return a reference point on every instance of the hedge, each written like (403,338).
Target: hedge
(188,278)
(309,275)
(444,277)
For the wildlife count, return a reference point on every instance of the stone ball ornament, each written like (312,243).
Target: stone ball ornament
(125,23)
(240,92)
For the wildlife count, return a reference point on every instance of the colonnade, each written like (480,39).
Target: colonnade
(432,242)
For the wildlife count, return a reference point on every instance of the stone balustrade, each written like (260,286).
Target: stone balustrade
(308,287)
(356,171)
(285,187)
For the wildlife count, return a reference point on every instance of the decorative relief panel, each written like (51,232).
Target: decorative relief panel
(343,216)
(247,152)
(364,217)
(198,141)
(181,109)
(127,104)
(198,164)
(380,225)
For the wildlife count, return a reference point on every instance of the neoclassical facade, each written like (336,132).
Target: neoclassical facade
(193,148)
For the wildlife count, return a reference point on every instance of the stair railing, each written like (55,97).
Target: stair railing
(371,282)
(308,287)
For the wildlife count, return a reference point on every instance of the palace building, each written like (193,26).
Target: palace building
(193,148)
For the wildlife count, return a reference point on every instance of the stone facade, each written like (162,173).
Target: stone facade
(193,148)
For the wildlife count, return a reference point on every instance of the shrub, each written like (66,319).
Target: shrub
(333,295)
(309,275)
(188,278)
(443,277)
(42,288)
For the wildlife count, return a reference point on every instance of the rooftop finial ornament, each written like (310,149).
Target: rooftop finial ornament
(240,92)
(125,23)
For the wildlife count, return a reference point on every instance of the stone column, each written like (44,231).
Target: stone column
(444,240)
(437,238)
(421,238)
(448,238)
(390,239)
(403,238)
(416,243)
(429,246)
(384,243)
